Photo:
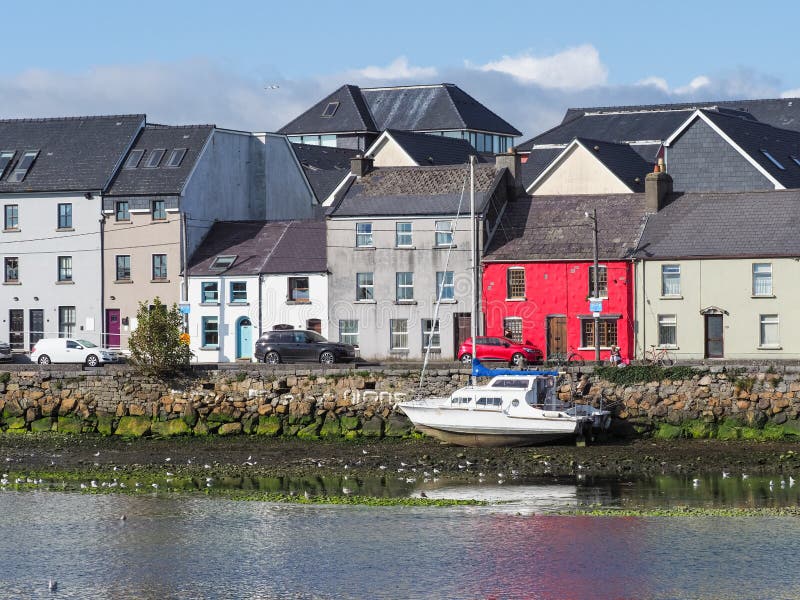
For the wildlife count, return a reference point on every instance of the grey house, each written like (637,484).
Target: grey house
(354,117)
(53,174)
(397,239)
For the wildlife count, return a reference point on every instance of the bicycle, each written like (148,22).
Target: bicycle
(658,356)
(562,359)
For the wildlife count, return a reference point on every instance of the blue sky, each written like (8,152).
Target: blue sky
(184,62)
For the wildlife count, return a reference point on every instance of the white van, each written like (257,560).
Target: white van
(69,350)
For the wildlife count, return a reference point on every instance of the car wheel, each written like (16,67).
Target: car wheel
(272,358)
(327,358)
(466,358)
(92,361)
(44,359)
(518,359)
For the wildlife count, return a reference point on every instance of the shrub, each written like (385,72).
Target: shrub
(644,374)
(156,345)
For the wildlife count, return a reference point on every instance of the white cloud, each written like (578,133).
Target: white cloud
(794,93)
(397,69)
(657,82)
(701,81)
(576,68)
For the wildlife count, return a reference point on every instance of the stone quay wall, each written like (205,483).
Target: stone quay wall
(349,403)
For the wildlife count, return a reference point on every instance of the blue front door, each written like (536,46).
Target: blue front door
(244,338)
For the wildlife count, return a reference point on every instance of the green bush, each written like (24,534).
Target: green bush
(5,377)
(644,373)
(156,346)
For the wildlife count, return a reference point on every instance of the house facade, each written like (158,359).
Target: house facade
(397,241)
(53,174)
(249,277)
(538,273)
(710,285)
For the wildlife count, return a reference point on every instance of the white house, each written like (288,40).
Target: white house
(248,277)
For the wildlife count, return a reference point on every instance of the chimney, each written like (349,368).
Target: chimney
(657,186)
(512,161)
(360,165)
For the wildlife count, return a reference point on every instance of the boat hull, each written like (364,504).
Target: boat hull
(490,440)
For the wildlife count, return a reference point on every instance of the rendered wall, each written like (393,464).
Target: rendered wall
(581,173)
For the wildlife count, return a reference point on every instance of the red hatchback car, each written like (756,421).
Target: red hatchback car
(500,349)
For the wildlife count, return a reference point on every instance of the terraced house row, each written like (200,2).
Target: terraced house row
(353,221)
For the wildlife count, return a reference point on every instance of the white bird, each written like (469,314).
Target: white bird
(462,466)
(695,482)
(167,459)
(725,474)
(122,517)
(83,486)
(468,462)
(382,467)
(436,471)
(319,465)
(155,485)
(97,453)
(402,464)
(169,474)
(206,466)
(306,495)
(791,481)
(250,457)
(347,491)
(52,585)
(745,476)
(363,452)
(93,483)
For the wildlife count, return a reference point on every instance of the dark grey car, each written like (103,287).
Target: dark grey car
(297,345)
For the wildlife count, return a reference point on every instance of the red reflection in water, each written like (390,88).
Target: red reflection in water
(564,558)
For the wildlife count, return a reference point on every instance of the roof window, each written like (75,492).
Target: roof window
(330,110)
(793,157)
(155,158)
(5,158)
(134,159)
(773,160)
(222,262)
(176,157)
(23,166)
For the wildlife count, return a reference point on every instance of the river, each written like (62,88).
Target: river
(186,546)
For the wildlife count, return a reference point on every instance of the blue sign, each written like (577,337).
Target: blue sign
(184,308)
(596,306)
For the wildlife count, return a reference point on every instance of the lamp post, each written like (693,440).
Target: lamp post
(595,284)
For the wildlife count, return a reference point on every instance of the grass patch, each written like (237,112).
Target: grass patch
(644,373)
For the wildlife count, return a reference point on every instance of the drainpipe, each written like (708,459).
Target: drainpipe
(103,332)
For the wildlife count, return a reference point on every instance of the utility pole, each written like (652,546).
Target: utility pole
(185,260)
(596,290)
(473,324)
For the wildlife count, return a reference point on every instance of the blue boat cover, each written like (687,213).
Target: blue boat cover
(478,370)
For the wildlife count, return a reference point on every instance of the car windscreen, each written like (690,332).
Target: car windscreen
(86,344)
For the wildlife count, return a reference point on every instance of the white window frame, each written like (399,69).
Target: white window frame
(369,288)
(404,286)
(348,337)
(769,319)
(515,270)
(760,277)
(398,235)
(398,337)
(507,322)
(667,320)
(364,237)
(446,288)
(601,293)
(674,275)
(443,230)
(432,330)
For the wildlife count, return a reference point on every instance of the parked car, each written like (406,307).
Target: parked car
(301,345)
(5,352)
(499,349)
(69,350)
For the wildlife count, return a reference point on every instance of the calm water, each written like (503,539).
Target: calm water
(191,547)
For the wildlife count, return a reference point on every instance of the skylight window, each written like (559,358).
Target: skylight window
(793,157)
(773,160)
(330,110)
(23,166)
(5,158)
(176,157)
(155,158)
(134,159)
(222,262)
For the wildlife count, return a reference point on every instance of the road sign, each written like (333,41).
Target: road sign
(595,305)
(595,314)
(184,307)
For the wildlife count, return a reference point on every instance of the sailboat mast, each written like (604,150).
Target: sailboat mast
(473,323)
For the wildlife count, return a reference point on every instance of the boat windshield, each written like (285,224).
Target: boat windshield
(510,383)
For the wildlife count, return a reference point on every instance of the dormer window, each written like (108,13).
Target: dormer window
(222,262)
(155,158)
(773,160)
(23,166)
(5,159)
(134,159)
(176,157)
(330,110)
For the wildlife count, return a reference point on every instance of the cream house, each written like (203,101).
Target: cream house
(718,276)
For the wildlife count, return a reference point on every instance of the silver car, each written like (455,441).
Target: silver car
(5,352)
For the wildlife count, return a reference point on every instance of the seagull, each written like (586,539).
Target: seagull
(306,495)
(167,459)
(745,476)
(93,483)
(97,453)
(122,517)
(52,585)
(206,466)
(347,491)
(250,457)
(155,485)
(695,482)
(382,467)
(791,481)
(402,464)
(436,471)
(725,474)
(363,452)
(423,495)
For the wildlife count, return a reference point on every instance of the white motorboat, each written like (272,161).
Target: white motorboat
(511,410)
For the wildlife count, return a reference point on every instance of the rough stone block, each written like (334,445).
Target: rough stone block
(310,432)
(69,425)
(372,427)
(269,426)
(133,426)
(39,425)
(398,426)
(170,428)
(105,423)
(229,429)
(330,428)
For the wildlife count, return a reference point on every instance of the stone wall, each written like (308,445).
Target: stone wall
(330,403)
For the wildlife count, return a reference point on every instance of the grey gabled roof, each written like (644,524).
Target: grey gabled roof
(541,228)
(262,247)
(324,167)
(725,225)
(753,137)
(427,149)
(536,161)
(351,115)
(412,191)
(410,108)
(162,179)
(75,153)
(626,164)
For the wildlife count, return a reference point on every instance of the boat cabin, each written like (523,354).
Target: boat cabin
(538,391)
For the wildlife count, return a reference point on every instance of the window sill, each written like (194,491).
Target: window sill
(592,348)
(432,350)
(405,247)
(448,301)
(778,347)
(405,301)
(399,351)
(154,220)
(516,299)
(122,220)
(238,304)
(159,281)
(365,248)
(293,302)
(445,247)
(209,304)
(671,297)
(65,229)
(365,302)
(208,348)
(763,296)
(65,283)
(12,283)
(12,230)
(123,281)
(668,347)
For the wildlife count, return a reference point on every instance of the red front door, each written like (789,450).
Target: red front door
(112,328)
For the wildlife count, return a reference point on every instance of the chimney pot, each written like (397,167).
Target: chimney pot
(512,161)
(657,187)
(360,165)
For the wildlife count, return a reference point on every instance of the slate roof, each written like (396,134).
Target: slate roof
(537,161)
(753,136)
(621,160)
(427,149)
(725,225)
(410,108)
(75,153)
(325,167)
(388,191)
(162,179)
(538,228)
(262,247)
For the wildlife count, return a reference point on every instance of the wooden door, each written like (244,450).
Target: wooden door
(556,337)
(715,346)
(461,330)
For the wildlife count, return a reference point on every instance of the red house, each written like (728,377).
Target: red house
(537,273)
